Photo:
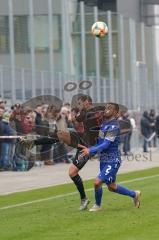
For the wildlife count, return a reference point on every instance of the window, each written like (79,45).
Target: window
(151,14)
(21,34)
(41,28)
(4,34)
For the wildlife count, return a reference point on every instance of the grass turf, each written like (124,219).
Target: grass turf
(60,219)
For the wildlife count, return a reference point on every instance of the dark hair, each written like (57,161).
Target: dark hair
(67,104)
(17,106)
(116,106)
(3,102)
(2,108)
(83,98)
(152,112)
(145,114)
(38,105)
(75,109)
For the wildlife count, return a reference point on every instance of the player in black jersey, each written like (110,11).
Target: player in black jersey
(91,117)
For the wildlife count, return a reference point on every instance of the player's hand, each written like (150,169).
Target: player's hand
(84,151)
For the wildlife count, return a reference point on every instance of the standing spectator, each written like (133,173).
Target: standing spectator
(157,126)
(78,126)
(1,128)
(126,138)
(133,122)
(152,116)
(146,129)
(67,106)
(38,118)
(1,113)
(6,144)
(28,122)
(38,125)
(16,121)
(60,151)
(3,104)
(44,131)
(66,115)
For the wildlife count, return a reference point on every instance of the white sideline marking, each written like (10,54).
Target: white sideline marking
(70,194)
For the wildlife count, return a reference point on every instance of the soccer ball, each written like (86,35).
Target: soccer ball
(99,29)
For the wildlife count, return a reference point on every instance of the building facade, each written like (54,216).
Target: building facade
(46,44)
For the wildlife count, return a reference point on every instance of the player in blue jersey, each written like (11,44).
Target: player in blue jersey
(109,154)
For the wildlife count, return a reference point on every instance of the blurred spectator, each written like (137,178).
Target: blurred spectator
(44,131)
(66,115)
(16,121)
(78,126)
(152,117)
(60,151)
(126,137)
(51,117)
(67,106)
(28,122)
(1,113)
(146,130)
(44,120)
(133,122)
(157,126)
(38,118)
(6,144)
(3,104)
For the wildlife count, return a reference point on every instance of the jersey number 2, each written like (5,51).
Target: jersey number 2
(107,171)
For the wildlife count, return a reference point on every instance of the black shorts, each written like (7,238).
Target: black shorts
(76,139)
(79,163)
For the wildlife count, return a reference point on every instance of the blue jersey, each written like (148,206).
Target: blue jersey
(108,150)
(108,142)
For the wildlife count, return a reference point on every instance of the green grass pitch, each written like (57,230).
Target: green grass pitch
(52,213)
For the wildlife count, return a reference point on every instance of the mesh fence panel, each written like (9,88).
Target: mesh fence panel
(33,54)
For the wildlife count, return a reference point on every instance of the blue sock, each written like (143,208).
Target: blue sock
(125,191)
(98,195)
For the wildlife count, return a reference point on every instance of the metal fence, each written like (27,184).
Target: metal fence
(42,51)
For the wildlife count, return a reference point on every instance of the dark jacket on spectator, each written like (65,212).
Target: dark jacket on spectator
(146,126)
(157,126)
(6,130)
(38,123)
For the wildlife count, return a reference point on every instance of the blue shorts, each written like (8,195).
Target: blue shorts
(108,172)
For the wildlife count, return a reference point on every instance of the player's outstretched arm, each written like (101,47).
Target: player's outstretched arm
(94,149)
(99,147)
